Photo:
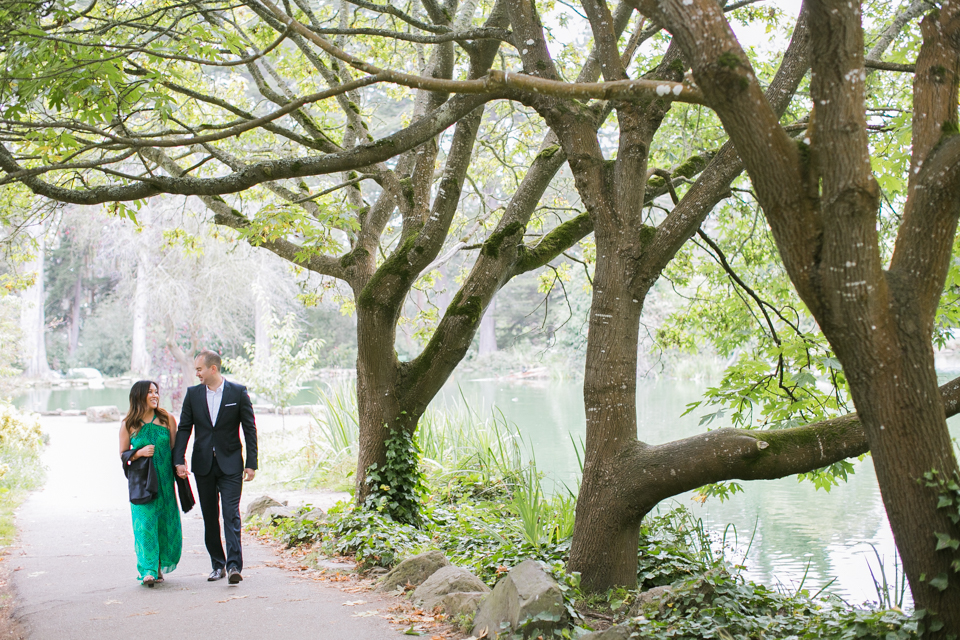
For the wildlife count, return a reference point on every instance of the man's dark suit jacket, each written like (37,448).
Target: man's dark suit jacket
(236,410)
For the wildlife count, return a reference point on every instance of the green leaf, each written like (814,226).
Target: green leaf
(940,582)
(944,541)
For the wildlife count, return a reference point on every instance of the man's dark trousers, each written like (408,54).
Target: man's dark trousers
(226,487)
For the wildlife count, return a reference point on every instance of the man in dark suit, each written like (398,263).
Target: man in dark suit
(216,409)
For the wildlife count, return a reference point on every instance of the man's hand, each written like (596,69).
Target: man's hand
(248,475)
(182,470)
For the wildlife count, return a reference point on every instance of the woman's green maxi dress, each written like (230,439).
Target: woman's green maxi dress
(156,525)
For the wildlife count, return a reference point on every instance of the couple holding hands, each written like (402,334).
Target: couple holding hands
(152,442)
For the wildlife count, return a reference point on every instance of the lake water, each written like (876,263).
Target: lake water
(797,531)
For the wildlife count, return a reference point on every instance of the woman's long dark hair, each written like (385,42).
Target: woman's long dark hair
(139,407)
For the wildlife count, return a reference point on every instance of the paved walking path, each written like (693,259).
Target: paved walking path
(77,568)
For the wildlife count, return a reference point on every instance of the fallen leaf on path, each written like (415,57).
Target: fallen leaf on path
(143,613)
(365,614)
(112,602)
(354,603)
(232,598)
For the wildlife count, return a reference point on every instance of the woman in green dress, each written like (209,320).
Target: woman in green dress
(156,525)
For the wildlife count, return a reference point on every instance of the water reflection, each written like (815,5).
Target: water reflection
(800,536)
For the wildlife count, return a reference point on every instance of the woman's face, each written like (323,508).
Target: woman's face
(153,397)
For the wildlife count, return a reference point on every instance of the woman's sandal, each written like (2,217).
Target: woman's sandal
(149,580)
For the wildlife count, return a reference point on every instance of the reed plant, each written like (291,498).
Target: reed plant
(464,453)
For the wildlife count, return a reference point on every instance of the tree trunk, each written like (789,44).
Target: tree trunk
(140,355)
(488,329)
(262,315)
(32,318)
(377,401)
(606,531)
(73,330)
(892,388)
(185,362)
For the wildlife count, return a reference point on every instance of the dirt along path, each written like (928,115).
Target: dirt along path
(75,573)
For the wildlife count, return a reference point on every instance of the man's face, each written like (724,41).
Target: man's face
(207,374)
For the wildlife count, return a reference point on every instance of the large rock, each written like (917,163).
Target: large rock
(446,580)
(314,515)
(413,571)
(462,603)
(259,505)
(526,601)
(654,598)
(103,414)
(272,513)
(619,632)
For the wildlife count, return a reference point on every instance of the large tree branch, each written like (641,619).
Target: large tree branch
(925,239)
(850,265)
(227,216)
(770,156)
(714,183)
(650,474)
(257,173)
(605,39)
(422,377)
(540,78)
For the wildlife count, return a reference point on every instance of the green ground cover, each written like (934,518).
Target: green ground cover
(483,503)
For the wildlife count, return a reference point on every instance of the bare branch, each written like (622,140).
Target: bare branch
(356,158)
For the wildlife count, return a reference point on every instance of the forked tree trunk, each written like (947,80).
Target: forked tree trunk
(822,206)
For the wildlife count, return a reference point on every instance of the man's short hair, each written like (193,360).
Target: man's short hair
(210,358)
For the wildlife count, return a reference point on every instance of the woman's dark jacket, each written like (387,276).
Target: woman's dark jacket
(141,477)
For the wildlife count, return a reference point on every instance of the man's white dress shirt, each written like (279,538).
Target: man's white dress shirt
(214,398)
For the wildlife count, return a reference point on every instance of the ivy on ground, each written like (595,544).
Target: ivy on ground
(706,596)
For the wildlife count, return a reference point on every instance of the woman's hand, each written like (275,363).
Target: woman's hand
(144,452)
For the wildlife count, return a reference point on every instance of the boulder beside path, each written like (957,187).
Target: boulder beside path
(526,601)
(451,581)
(413,571)
(106,413)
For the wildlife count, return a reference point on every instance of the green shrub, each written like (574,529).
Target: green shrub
(21,441)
